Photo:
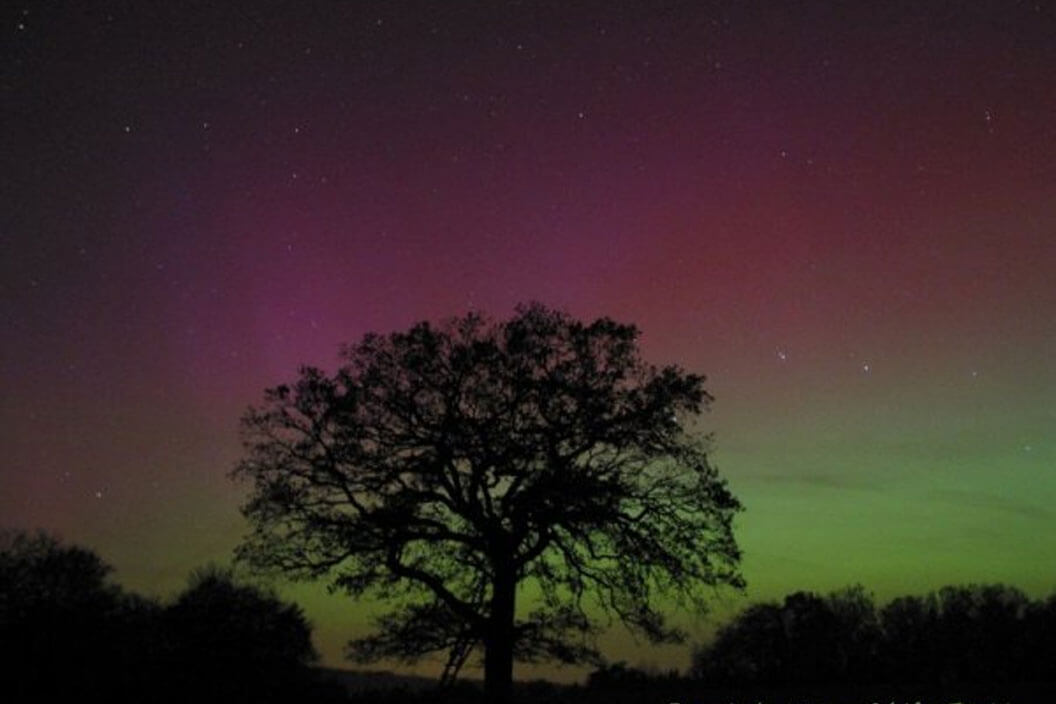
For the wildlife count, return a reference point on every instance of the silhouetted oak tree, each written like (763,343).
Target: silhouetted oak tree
(444,467)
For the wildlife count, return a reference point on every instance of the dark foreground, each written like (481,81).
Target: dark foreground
(334,687)
(361,688)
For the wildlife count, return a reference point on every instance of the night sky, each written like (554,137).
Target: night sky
(843,214)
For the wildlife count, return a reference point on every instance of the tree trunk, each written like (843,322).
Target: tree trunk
(498,644)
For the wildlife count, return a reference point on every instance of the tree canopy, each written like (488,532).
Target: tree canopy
(446,466)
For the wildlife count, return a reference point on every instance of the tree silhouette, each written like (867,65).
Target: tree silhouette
(750,649)
(59,617)
(857,634)
(975,640)
(808,639)
(910,622)
(1040,638)
(238,642)
(68,633)
(979,633)
(448,466)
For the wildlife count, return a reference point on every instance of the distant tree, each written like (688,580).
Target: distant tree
(910,650)
(750,649)
(39,572)
(68,632)
(1040,639)
(237,640)
(812,636)
(1003,611)
(857,635)
(961,637)
(444,467)
(807,639)
(58,613)
(978,632)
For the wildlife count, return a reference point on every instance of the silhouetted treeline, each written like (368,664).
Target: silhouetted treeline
(967,644)
(68,634)
(956,635)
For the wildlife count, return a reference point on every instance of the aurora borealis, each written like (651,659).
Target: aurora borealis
(845,216)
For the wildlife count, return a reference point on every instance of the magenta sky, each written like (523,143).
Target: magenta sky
(844,215)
